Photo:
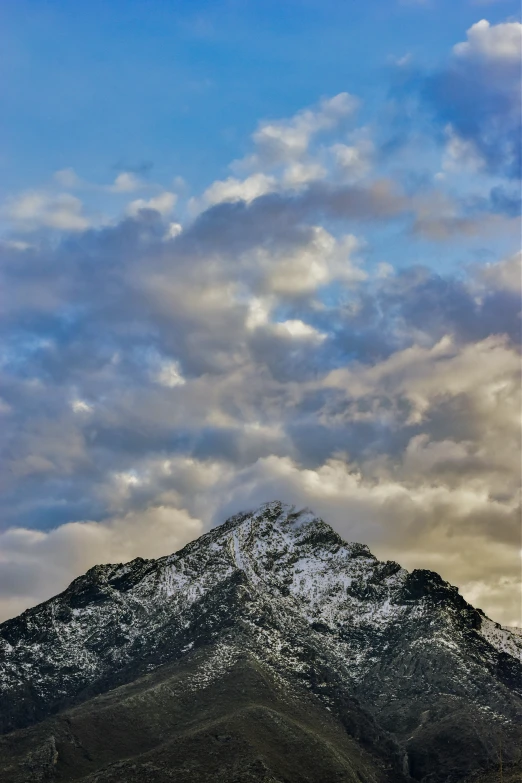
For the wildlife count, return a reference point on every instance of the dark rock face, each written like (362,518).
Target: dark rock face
(267,650)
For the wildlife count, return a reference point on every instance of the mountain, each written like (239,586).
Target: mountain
(267,650)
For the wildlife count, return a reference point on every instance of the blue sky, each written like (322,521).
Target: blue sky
(182,85)
(253,250)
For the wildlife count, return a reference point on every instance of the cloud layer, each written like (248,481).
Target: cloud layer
(159,372)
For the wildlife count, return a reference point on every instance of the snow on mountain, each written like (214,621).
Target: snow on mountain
(280,582)
(502,638)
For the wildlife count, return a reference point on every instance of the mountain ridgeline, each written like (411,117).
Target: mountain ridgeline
(267,650)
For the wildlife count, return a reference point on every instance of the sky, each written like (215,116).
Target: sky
(254,251)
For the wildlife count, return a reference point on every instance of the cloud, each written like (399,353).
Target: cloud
(442,217)
(355,160)
(504,275)
(35,209)
(67,178)
(162,203)
(284,141)
(126,182)
(283,158)
(155,377)
(306,268)
(501,42)
(178,381)
(460,154)
(233,189)
(477,98)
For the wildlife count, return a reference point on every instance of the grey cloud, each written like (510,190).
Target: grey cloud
(238,226)
(438,305)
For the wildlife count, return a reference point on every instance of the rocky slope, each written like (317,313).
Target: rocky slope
(273,632)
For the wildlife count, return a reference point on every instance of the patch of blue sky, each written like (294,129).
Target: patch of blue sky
(183,85)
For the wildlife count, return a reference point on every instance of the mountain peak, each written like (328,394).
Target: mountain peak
(277,514)
(280,585)
(276,519)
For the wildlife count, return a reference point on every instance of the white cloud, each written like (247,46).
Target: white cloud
(402,61)
(80,406)
(460,154)
(284,141)
(298,174)
(355,160)
(67,178)
(169,374)
(299,330)
(305,269)
(36,209)
(495,43)
(174,230)
(18,244)
(126,182)
(384,270)
(233,189)
(258,312)
(162,203)
(282,159)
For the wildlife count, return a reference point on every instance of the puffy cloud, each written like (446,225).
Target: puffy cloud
(163,203)
(169,374)
(288,140)
(282,158)
(126,182)
(233,189)
(501,42)
(306,268)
